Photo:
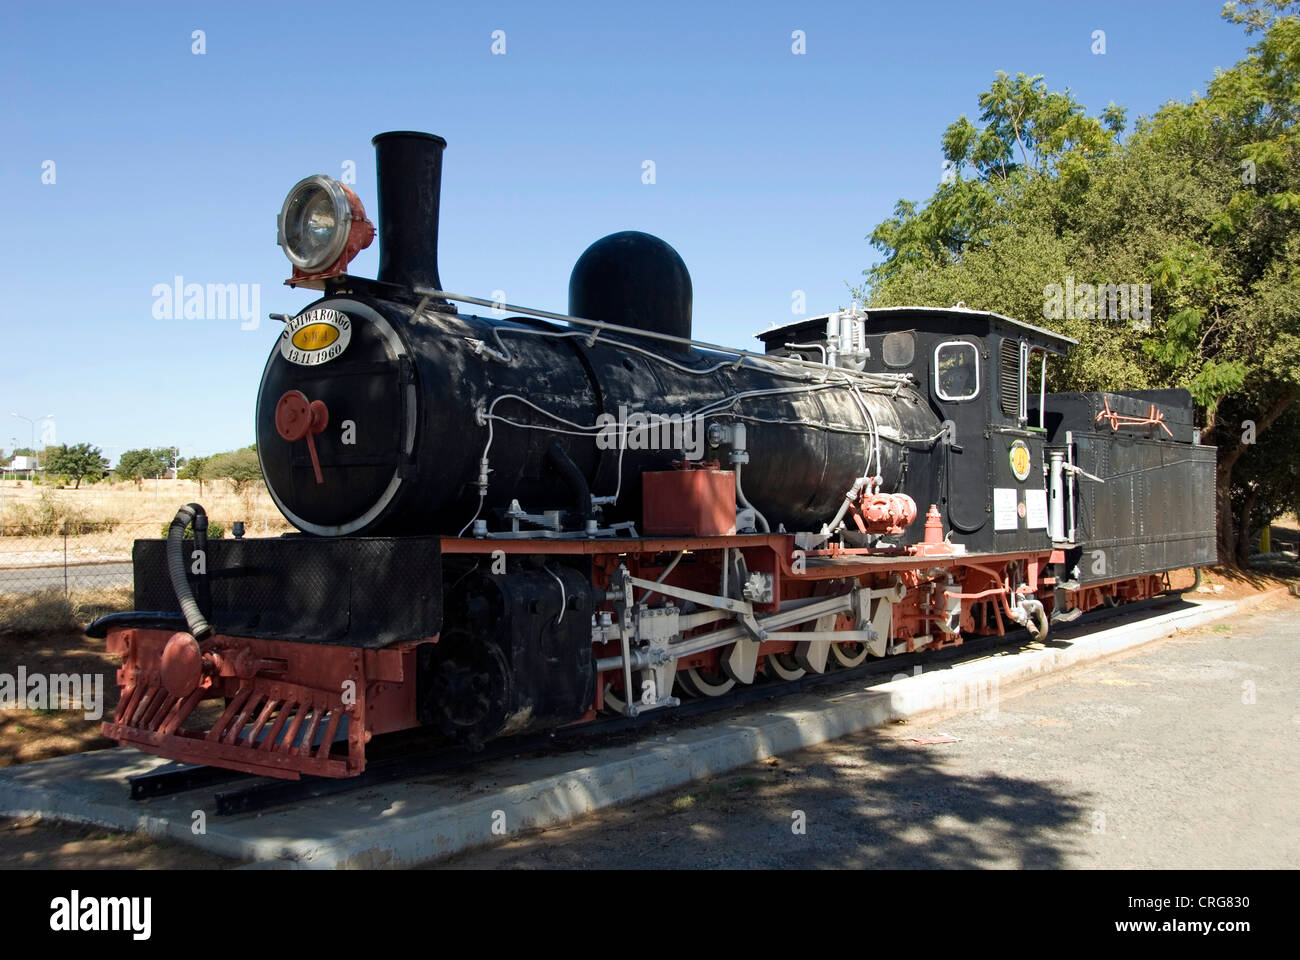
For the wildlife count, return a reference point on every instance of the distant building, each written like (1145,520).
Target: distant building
(21,464)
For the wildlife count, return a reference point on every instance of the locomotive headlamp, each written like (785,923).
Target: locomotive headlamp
(321,227)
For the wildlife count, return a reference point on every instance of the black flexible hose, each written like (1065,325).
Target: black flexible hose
(563,464)
(190,513)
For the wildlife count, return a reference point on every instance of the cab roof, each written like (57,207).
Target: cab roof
(946,320)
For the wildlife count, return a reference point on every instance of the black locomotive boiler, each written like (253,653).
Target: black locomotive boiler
(517,519)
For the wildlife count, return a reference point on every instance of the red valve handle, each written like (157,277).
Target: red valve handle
(297,418)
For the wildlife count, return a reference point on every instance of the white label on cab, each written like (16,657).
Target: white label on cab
(1036,509)
(1005,502)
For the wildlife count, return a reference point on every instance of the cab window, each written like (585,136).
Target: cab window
(956,370)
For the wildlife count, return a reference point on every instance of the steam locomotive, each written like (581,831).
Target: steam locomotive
(519,520)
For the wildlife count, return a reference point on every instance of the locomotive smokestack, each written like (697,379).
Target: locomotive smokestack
(409,178)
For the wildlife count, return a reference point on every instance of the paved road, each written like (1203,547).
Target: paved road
(31,579)
(1184,753)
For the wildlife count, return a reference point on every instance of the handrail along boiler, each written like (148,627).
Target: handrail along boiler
(518,519)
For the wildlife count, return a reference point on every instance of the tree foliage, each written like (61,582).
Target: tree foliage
(1266,483)
(240,467)
(1200,201)
(76,463)
(195,468)
(144,462)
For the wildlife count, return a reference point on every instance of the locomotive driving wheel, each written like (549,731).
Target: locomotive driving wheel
(705,681)
(783,666)
(847,654)
(469,685)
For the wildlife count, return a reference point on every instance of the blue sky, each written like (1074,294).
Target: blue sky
(771,168)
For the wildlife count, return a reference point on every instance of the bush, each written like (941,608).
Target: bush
(216,531)
(48,518)
(240,467)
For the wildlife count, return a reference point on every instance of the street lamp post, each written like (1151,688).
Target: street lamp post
(48,416)
(14,441)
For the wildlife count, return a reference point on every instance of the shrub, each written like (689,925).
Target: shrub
(216,531)
(49,518)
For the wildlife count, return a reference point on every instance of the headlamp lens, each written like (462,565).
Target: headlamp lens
(314,223)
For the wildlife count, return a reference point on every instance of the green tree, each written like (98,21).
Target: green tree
(77,462)
(144,462)
(1200,201)
(1266,481)
(240,467)
(195,469)
(1027,133)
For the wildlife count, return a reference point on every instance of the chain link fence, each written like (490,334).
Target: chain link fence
(65,553)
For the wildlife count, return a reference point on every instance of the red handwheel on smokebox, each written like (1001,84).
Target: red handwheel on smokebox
(298,418)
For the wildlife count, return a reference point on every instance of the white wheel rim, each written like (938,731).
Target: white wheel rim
(774,666)
(613,701)
(701,686)
(846,659)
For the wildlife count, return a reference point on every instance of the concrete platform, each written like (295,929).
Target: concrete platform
(407,822)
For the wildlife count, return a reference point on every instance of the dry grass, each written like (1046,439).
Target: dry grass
(152,500)
(51,611)
(104,519)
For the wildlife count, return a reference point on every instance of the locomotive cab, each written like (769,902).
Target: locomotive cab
(978,370)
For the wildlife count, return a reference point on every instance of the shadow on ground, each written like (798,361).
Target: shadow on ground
(869,801)
(27,735)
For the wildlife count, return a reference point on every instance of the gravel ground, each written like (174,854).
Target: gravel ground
(1184,753)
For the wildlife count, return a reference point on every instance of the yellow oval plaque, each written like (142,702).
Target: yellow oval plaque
(1020,460)
(315,336)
